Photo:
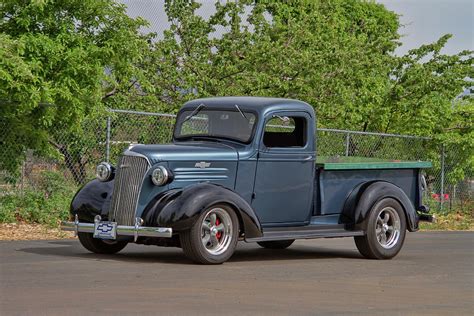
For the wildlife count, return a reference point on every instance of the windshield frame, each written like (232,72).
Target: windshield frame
(226,109)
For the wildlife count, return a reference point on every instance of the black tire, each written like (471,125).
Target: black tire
(277,244)
(373,245)
(192,240)
(100,246)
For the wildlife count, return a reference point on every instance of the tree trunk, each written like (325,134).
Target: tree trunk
(74,163)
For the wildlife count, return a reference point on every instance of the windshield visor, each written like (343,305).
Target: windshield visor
(227,124)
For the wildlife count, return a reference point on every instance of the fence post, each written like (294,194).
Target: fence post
(22,182)
(348,137)
(107,141)
(442,180)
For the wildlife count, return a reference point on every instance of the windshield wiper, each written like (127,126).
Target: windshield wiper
(242,113)
(193,113)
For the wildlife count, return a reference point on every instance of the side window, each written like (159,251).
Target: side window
(285,131)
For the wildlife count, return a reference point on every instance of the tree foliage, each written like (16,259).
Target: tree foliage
(336,55)
(61,61)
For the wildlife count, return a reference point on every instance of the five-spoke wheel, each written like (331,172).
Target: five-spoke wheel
(385,230)
(387,227)
(216,233)
(213,237)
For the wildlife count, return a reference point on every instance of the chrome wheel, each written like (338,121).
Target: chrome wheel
(387,228)
(213,236)
(216,231)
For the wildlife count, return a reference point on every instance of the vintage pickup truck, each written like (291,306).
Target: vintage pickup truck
(245,168)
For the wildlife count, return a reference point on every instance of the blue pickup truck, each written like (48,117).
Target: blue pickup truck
(246,168)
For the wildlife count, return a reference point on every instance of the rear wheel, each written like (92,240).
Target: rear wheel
(213,237)
(385,233)
(277,244)
(100,246)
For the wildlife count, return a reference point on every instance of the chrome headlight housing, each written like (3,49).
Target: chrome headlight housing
(160,176)
(104,172)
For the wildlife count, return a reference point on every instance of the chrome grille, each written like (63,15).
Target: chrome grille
(128,181)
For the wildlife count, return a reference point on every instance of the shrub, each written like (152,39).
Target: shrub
(48,203)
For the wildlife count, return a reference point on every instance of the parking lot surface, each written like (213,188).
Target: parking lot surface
(433,275)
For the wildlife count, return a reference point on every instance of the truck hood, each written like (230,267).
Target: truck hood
(195,151)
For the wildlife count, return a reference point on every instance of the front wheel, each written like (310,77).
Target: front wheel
(100,246)
(385,233)
(213,237)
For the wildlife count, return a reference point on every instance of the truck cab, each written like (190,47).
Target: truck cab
(246,168)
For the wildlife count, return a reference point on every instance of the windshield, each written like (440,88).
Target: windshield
(201,122)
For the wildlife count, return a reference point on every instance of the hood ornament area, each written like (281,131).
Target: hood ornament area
(202,165)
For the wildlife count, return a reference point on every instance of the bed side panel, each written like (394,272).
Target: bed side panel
(336,185)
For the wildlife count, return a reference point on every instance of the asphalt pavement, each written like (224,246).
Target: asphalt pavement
(432,275)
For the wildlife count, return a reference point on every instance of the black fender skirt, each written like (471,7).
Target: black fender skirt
(361,200)
(91,200)
(179,208)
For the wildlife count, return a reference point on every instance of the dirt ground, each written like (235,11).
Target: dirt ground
(21,231)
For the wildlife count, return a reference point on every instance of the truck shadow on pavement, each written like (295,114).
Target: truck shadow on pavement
(148,254)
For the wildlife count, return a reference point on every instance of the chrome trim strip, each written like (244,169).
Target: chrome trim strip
(189,178)
(140,231)
(196,174)
(200,171)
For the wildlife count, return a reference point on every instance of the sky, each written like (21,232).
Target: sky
(424,21)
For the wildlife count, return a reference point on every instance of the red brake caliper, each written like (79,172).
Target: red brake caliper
(219,234)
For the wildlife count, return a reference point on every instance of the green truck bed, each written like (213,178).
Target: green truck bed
(351,163)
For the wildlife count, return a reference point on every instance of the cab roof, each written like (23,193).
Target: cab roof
(261,105)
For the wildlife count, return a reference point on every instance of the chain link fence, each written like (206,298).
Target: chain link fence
(75,155)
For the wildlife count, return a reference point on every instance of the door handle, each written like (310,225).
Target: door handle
(309,158)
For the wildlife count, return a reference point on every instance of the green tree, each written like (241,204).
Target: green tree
(59,63)
(337,55)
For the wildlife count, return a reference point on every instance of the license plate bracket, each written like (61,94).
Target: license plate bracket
(105,230)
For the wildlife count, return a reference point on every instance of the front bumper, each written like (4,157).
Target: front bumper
(122,230)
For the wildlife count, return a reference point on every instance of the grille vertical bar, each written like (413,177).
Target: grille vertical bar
(128,181)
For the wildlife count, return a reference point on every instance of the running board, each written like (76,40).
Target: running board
(304,232)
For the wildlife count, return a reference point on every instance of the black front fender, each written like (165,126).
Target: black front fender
(91,200)
(179,208)
(368,194)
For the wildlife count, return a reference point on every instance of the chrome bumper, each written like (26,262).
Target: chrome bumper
(135,231)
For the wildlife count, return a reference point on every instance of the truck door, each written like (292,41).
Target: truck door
(284,177)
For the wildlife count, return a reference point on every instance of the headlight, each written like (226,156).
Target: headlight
(160,176)
(104,171)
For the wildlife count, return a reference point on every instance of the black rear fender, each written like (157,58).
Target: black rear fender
(363,198)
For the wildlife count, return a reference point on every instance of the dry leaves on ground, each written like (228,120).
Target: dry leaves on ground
(22,231)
